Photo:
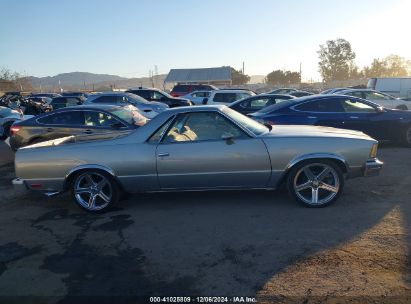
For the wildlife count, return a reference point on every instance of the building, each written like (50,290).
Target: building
(216,76)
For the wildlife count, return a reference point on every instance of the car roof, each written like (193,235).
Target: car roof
(104,107)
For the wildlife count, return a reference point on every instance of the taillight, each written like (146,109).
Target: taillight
(14,130)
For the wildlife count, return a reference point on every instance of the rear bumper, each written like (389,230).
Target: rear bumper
(21,187)
(373,167)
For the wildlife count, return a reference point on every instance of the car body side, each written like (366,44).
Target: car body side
(135,162)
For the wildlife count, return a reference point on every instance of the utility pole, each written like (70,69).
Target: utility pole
(156,74)
(301,79)
(243,67)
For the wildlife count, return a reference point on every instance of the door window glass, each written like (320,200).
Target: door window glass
(376,96)
(73,118)
(202,126)
(323,105)
(98,119)
(355,106)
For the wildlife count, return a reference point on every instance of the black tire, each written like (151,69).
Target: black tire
(6,131)
(302,185)
(93,195)
(407,136)
(402,107)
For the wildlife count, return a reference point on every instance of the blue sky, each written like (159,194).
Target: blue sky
(127,38)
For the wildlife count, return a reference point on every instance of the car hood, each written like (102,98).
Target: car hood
(313,131)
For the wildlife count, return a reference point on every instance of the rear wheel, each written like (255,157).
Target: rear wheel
(6,131)
(407,136)
(402,107)
(95,191)
(316,183)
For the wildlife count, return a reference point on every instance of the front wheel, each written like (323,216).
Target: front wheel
(94,191)
(315,183)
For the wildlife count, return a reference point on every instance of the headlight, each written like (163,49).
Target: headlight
(373,153)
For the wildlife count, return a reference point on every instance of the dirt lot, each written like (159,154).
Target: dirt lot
(257,243)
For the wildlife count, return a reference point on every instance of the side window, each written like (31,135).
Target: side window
(106,99)
(376,96)
(258,104)
(74,118)
(356,106)
(323,105)
(72,102)
(98,119)
(219,97)
(156,96)
(202,126)
(121,99)
(143,93)
(356,94)
(155,138)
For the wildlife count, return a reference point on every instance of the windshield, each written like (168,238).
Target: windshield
(136,98)
(130,114)
(246,122)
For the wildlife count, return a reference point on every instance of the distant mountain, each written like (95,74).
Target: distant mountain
(90,81)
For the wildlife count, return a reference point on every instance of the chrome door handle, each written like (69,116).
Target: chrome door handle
(312,117)
(354,117)
(163,154)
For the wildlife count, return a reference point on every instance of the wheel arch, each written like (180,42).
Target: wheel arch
(82,168)
(338,160)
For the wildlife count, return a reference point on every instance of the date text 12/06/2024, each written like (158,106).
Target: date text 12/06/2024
(203,300)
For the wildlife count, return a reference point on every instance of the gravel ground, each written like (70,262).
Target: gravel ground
(229,243)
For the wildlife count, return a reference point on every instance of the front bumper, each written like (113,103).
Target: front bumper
(373,167)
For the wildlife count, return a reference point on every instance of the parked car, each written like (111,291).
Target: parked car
(341,111)
(89,120)
(49,95)
(380,98)
(152,94)
(197,97)
(200,148)
(283,91)
(227,96)
(150,109)
(256,103)
(395,86)
(183,89)
(7,118)
(75,94)
(63,102)
(332,91)
(300,93)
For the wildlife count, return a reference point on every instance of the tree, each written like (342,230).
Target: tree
(336,60)
(279,77)
(390,66)
(237,77)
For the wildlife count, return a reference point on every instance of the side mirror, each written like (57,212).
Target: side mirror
(205,100)
(228,137)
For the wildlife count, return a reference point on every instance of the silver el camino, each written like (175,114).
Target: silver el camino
(199,148)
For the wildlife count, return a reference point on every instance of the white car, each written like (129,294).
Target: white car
(226,96)
(7,118)
(197,97)
(385,100)
(396,86)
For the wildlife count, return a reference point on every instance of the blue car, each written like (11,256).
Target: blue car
(343,112)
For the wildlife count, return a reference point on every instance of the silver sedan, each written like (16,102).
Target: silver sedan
(199,148)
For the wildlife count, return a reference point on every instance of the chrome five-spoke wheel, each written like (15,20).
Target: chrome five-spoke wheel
(316,184)
(94,191)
